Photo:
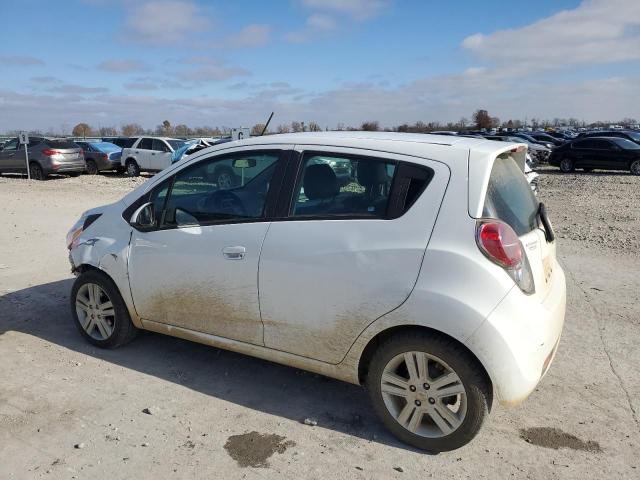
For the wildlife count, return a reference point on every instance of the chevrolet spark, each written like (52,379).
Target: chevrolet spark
(426,273)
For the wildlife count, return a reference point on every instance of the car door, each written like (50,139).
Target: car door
(349,249)
(583,154)
(160,155)
(198,269)
(602,154)
(10,158)
(142,152)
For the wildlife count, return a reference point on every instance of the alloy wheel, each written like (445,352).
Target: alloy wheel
(95,311)
(635,167)
(424,394)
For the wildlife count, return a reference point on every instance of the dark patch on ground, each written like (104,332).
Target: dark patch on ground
(555,438)
(253,449)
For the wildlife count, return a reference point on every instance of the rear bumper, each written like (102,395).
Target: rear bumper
(518,341)
(66,167)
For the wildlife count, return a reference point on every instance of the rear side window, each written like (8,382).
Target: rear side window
(509,197)
(61,144)
(145,144)
(159,145)
(336,185)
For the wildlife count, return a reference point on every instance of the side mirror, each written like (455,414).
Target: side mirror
(144,218)
(244,163)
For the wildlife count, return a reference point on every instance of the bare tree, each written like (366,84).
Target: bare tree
(296,126)
(481,119)
(283,129)
(182,130)
(257,129)
(108,131)
(131,129)
(314,127)
(370,126)
(81,130)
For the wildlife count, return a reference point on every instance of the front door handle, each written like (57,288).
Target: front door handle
(234,253)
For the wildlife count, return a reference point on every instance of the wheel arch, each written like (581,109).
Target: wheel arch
(373,344)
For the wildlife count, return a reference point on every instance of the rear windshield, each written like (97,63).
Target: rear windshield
(61,144)
(509,197)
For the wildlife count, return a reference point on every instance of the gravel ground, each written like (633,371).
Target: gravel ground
(166,408)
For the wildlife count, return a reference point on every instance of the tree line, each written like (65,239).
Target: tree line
(480,120)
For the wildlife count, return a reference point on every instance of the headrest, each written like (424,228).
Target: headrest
(372,173)
(320,182)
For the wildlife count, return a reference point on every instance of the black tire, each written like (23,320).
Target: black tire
(36,172)
(567,165)
(471,374)
(92,168)
(634,168)
(123,329)
(133,170)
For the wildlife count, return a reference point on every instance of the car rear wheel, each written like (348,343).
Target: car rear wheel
(92,168)
(133,170)
(428,391)
(100,312)
(635,168)
(566,165)
(35,171)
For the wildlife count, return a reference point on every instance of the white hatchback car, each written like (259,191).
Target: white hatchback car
(425,269)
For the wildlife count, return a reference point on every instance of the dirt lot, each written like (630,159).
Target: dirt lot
(165,408)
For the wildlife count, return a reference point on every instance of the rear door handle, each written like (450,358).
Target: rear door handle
(234,253)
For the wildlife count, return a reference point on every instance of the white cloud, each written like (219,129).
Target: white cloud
(250,36)
(163,22)
(357,9)
(209,70)
(317,24)
(595,32)
(121,66)
(20,60)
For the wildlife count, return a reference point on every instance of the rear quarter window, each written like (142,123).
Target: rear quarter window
(509,197)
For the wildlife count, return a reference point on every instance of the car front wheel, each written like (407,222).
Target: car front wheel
(566,165)
(100,312)
(635,168)
(428,391)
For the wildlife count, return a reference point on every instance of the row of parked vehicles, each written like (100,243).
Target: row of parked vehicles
(568,150)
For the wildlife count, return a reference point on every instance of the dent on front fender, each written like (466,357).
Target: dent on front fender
(110,254)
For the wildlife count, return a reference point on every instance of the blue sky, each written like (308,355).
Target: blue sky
(221,63)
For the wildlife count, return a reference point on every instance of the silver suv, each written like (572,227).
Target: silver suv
(46,156)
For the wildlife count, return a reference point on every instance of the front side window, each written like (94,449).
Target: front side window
(197,197)
(11,145)
(159,145)
(337,185)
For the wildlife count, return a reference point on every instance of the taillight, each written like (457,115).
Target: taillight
(49,152)
(500,244)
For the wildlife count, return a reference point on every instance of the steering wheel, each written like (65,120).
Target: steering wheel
(223,202)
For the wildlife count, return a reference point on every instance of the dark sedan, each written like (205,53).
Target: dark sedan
(628,134)
(608,153)
(101,156)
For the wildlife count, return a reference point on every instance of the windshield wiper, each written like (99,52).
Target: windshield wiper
(548,231)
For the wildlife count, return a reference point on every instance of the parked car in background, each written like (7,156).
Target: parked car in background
(122,142)
(101,156)
(546,138)
(628,134)
(431,278)
(539,153)
(608,153)
(46,156)
(530,139)
(149,154)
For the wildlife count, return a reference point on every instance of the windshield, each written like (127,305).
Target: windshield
(634,135)
(175,144)
(509,197)
(626,144)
